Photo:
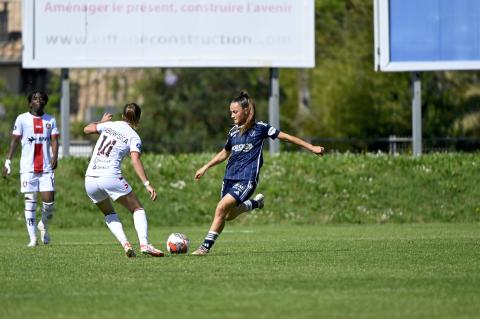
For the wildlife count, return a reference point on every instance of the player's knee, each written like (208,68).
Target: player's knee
(30,201)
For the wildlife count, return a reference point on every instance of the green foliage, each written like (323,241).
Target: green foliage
(285,271)
(342,97)
(299,188)
(193,114)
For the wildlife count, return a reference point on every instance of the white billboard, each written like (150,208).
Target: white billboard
(168,33)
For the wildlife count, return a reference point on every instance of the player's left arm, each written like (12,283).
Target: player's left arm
(298,141)
(140,170)
(54,143)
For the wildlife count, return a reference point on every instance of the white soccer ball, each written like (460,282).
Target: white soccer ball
(178,243)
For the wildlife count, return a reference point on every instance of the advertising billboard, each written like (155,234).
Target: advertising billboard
(427,35)
(168,33)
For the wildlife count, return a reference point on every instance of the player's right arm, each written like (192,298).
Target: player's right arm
(217,159)
(13,147)
(92,127)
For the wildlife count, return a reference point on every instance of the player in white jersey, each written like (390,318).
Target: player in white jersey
(104,180)
(38,134)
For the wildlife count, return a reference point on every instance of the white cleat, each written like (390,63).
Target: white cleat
(260,200)
(44,235)
(32,243)
(150,250)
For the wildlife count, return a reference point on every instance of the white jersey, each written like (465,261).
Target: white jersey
(36,133)
(117,140)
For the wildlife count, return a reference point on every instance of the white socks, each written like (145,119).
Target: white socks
(141,226)
(47,212)
(116,227)
(246,206)
(30,207)
(30,223)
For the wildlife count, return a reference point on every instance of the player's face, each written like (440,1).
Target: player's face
(37,104)
(238,114)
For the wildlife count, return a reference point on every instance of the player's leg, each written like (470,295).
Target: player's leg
(130,201)
(94,189)
(115,225)
(227,204)
(29,187)
(242,191)
(30,208)
(47,193)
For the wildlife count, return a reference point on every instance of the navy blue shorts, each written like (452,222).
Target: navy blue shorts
(240,190)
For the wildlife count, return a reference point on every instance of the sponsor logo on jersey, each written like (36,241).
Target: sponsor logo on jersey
(242,147)
(39,139)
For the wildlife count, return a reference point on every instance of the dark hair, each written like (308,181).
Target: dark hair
(131,114)
(43,94)
(246,102)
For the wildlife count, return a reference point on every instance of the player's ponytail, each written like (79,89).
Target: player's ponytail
(131,114)
(246,102)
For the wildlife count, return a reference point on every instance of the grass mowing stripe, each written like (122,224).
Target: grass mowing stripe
(275,271)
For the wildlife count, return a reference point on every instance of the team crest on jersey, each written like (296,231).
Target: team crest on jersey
(139,146)
(48,125)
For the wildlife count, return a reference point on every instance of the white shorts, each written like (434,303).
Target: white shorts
(37,182)
(100,188)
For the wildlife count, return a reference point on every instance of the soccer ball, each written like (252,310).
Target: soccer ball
(178,243)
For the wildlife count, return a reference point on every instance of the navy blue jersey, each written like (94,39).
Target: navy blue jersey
(246,151)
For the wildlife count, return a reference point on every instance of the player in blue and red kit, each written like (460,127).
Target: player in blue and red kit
(244,152)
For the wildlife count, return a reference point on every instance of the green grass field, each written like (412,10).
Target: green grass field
(259,271)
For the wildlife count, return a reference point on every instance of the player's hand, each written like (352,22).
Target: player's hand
(153,193)
(54,163)
(7,169)
(106,117)
(200,173)
(318,150)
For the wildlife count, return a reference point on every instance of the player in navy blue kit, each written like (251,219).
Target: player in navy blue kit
(244,152)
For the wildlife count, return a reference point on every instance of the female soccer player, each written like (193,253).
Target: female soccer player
(104,180)
(37,132)
(244,152)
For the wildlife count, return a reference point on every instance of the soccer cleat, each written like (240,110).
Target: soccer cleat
(152,251)
(129,250)
(260,200)
(44,235)
(32,243)
(201,251)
